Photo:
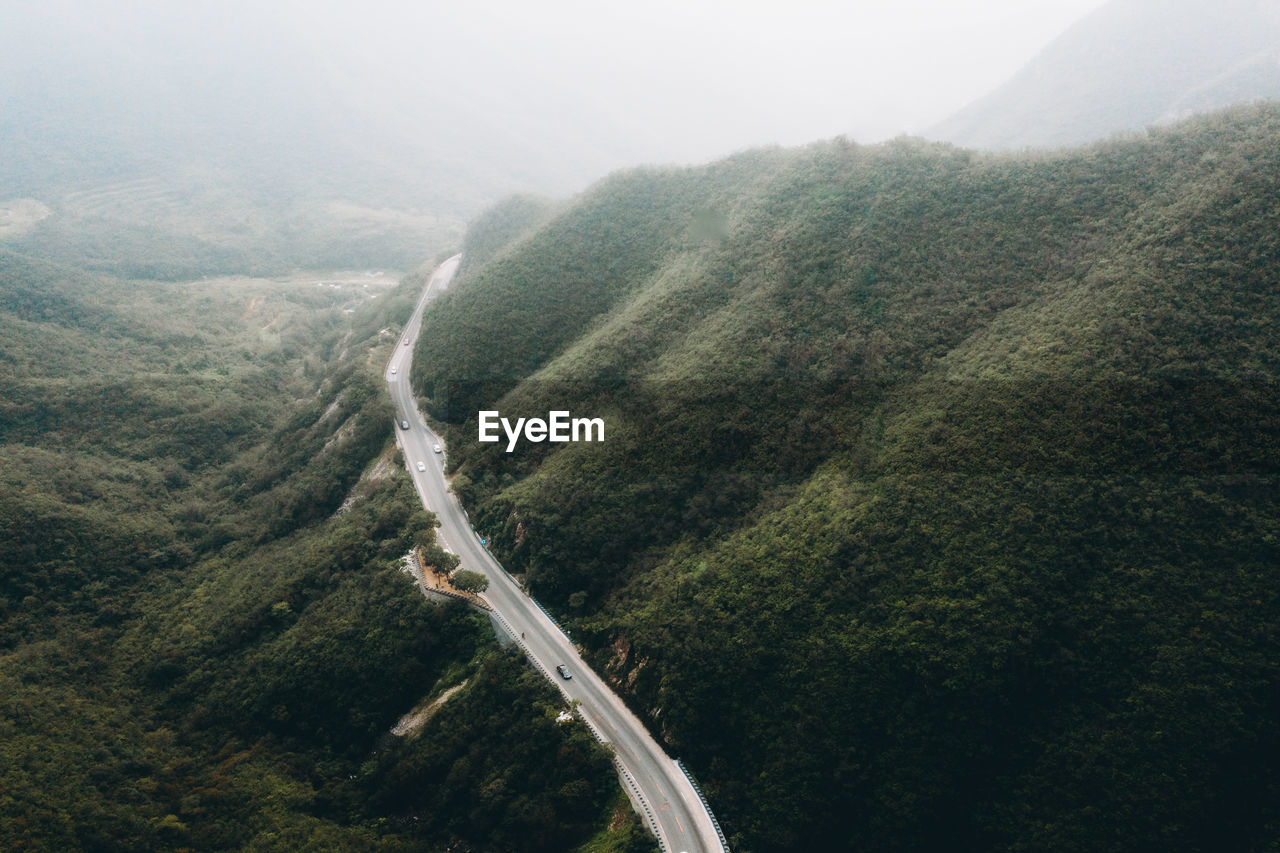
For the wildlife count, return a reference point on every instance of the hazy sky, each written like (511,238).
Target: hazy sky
(564,89)
(694,79)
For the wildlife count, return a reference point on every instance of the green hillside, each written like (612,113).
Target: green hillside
(938,501)
(205,633)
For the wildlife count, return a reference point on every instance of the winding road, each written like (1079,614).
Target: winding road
(663,795)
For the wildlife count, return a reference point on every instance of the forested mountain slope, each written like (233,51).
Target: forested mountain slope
(938,503)
(205,633)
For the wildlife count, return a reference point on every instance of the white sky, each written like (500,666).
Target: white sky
(695,79)
(567,88)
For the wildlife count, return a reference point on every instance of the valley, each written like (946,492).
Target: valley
(934,481)
(619,428)
(207,638)
(667,798)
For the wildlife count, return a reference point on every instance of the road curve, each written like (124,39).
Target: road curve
(664,796)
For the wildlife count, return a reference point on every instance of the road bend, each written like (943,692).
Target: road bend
(663,795)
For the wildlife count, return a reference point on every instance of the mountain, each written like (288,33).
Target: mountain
(938,504)
(1127,65)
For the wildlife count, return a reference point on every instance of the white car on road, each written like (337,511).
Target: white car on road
(422,466)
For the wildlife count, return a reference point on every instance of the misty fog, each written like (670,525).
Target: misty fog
(397,101)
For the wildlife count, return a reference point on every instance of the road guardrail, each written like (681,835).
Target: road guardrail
(631,783)
(724,843)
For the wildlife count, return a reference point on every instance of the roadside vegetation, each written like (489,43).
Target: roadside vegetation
(938,506)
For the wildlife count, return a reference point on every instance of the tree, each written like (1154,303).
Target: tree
(469,581)
(438,558)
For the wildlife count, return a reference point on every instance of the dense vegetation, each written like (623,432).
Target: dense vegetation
(938,505)
(205,634)
(500,227)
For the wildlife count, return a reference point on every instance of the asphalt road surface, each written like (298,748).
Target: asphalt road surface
(665,798)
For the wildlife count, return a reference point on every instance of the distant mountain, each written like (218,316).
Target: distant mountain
(169,140)
(938,503)
(1129,64)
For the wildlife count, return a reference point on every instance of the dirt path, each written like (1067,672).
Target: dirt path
(412,721)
